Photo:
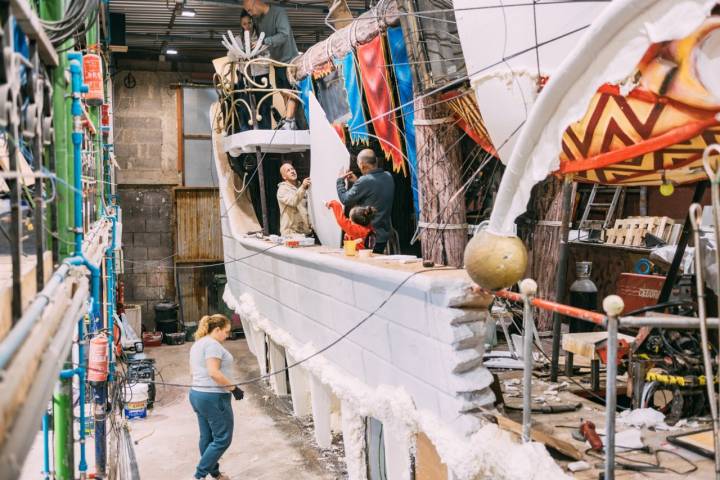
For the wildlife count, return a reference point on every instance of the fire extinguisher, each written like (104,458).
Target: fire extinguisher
(93,78)
(98,359)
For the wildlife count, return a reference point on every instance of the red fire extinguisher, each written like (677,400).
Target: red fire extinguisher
(93,78)
(98,359)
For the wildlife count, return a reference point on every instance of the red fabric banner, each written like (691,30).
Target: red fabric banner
(378,94)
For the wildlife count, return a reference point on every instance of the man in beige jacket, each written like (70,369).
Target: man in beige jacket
(292,199)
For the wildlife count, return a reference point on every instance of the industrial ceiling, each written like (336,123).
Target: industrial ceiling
(153,26)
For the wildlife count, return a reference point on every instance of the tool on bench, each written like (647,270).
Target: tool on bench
(589,434)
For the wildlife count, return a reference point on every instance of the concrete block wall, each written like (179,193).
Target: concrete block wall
(416,340)
(146,138)
(147,238)
(146,149)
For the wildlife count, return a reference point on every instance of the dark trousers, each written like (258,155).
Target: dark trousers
(215,418)
(379,247)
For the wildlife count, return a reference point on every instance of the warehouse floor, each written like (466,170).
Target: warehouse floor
(267,442)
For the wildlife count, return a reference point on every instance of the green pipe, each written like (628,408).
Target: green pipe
(64,463)
(53,10)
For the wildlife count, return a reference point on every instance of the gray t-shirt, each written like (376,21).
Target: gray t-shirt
(208,347)
(278,34)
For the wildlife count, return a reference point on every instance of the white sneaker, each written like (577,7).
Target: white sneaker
(288,125)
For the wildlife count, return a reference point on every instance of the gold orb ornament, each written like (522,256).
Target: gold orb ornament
(667,189)
(495,261)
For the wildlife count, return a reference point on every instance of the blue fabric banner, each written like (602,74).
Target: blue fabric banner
(356,125)
(305,86)
(403,75)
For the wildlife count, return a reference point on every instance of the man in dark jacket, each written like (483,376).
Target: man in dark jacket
(375,188)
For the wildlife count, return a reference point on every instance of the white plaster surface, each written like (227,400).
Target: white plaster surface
(328,156)
(270,141)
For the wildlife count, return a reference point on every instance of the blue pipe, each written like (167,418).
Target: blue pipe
(110,271)
(77,260)
(46,446)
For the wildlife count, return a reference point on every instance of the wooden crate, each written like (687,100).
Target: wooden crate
(631,231)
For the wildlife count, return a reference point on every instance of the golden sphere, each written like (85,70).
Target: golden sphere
(494,261)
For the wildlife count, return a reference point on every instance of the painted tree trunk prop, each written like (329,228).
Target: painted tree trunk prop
(547,203)
(443,224)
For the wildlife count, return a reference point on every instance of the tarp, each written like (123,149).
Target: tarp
(378,95)
(357,123)
(404,85)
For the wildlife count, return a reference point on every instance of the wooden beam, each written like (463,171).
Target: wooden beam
(30,24)
(566,448)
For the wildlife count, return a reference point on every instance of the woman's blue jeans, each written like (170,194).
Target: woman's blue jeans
(215,418)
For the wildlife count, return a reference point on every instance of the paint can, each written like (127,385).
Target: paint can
(136,398)
(350,247)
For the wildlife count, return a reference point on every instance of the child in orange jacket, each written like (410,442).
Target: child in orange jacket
(358,226)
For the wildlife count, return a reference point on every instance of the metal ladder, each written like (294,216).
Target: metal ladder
(610,208)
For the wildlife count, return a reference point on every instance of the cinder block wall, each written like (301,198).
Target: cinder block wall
(148,246)
(146,148)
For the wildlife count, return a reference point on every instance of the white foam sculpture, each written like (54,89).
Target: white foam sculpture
(328,156)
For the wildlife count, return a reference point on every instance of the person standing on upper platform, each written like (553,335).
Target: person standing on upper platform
(272,20)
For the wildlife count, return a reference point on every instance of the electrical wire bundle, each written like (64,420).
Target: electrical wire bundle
(79,17)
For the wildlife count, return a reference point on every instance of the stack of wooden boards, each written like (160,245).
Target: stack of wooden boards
(632,231)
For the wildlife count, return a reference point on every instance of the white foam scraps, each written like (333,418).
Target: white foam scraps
(642,417)
(507,76)
(353,429)
(490,453)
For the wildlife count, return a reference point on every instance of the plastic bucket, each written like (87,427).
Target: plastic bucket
(136,398)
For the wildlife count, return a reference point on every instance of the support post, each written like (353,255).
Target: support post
(528,288)
(561,274)
(443,224)
(260,170)
(63,429)
(613,306)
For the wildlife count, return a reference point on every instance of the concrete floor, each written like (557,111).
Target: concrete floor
(268,443)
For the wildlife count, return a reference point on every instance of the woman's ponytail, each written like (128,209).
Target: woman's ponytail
(208,323)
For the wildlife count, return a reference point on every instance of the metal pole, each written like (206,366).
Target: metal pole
(63,429)
(260,169)
(695,217)
(613,306)
(680,249)
(561,273)
(528,288)
(99,406)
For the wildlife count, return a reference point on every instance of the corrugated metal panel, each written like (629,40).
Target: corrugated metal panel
(197,217)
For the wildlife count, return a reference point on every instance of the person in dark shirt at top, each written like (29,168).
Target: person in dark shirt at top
(272,20)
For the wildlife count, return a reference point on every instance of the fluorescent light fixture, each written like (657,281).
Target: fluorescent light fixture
(171,51)
(187,12)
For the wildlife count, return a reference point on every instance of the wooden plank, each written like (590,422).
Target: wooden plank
(198,232)
(28,285)
(428,465)
(30,25)
(548,440)
(584,343)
